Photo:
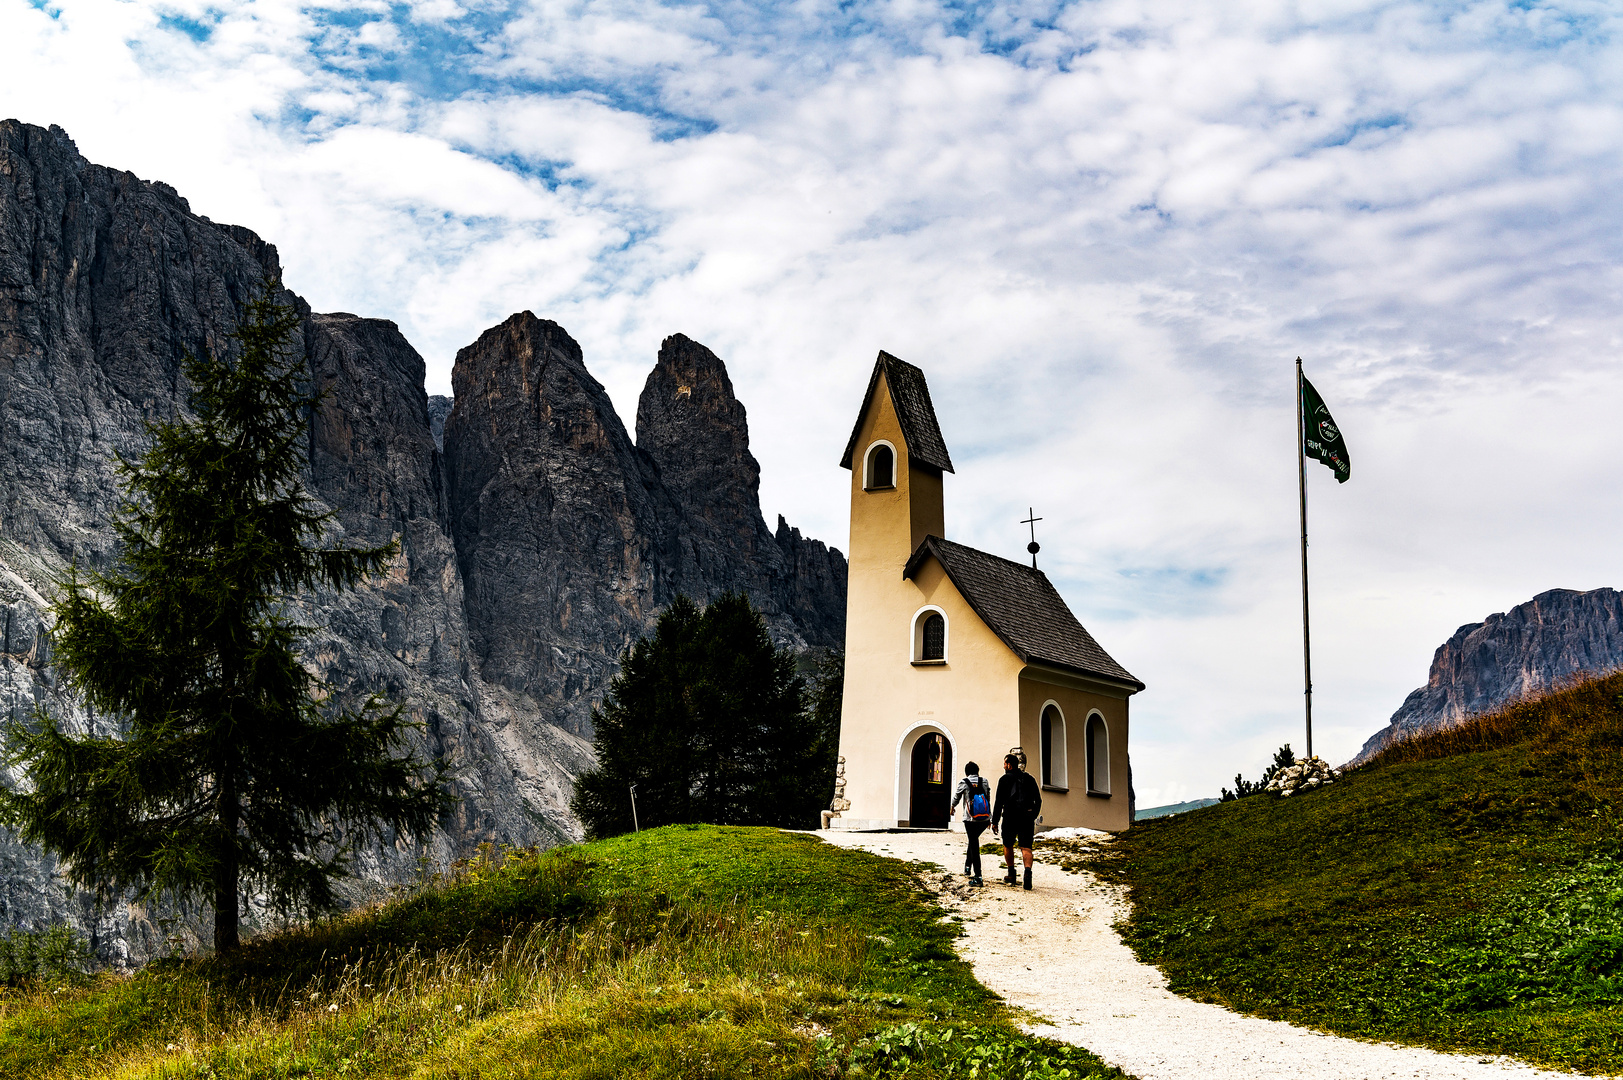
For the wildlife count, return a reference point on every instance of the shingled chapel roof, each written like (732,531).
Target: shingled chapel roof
(1022,608)
(910,394)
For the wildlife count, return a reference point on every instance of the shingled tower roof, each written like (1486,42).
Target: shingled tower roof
(910,394)
(1022,608)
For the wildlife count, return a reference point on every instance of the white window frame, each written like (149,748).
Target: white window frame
(1104,725)
(1060,777)
(915,637)
(867,465)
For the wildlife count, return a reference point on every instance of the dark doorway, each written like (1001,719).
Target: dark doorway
(932,775)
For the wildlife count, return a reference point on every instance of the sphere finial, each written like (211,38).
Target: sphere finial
(1033,547)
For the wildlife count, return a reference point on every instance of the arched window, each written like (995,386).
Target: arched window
(935,637)
(929,644)
(1098,755)
(881,467)
(1051,729)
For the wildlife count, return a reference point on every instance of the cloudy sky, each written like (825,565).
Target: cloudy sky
(1105,230)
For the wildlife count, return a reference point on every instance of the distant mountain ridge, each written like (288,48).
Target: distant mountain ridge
(1172,808)
(537,540)
(1516,653)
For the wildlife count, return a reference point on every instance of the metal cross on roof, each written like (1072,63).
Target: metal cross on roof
(1032,547)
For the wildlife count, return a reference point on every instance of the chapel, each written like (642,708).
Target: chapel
(955,655)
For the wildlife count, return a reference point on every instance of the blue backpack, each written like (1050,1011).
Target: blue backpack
(980,799)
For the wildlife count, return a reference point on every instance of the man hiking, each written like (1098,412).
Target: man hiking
(1019,801)
(976,795)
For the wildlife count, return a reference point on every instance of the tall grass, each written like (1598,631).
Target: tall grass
(397,1014)
(1580,712)
(1463,890)
(679,952)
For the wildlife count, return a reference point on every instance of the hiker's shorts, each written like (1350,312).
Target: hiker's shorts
(1018,832)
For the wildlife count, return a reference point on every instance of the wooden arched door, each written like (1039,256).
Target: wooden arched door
(932,778)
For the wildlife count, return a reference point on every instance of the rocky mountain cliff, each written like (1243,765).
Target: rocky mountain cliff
(566,539)
(538,544)
(1523,651)
(694,430)
(570,536)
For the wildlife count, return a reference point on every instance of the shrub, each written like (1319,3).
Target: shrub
(56,952)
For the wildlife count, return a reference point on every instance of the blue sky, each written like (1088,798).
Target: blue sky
(1104,229)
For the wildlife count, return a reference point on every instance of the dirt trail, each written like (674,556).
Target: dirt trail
(1052,951)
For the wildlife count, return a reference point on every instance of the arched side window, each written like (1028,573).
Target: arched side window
(1098,755)
(1051,729)
(879,468)
(929,644)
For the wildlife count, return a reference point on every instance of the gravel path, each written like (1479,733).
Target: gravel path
(1052,951)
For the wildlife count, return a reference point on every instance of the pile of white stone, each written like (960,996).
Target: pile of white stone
(1303,776)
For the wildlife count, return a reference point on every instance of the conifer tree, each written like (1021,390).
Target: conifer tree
(712,724)
(1284,758)
(231,765)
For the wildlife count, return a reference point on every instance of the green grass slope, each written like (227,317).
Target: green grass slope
(687,951)
(1463,891)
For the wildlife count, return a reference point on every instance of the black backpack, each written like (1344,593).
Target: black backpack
(1026,796)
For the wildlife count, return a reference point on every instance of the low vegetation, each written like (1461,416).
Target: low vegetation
(1284,758)
(686,951)
(54,953)
(1463,890)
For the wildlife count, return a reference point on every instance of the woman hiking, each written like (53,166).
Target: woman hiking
(976,795)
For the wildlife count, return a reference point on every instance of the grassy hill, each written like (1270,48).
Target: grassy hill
(1462,891)
(687,951)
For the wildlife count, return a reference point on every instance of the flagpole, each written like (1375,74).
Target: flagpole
(1301,488)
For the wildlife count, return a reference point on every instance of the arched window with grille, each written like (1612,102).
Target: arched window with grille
(880,470)
(935,637)
(929,636)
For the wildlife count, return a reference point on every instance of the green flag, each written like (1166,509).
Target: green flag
(1321,438)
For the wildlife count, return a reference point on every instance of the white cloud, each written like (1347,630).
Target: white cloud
(1105,229)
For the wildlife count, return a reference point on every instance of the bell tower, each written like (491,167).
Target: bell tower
(897,457)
